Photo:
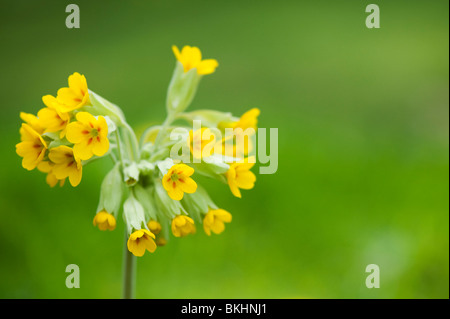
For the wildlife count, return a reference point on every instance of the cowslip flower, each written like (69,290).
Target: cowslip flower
(191,58)
(200,139)
(214,221)
(32,148)
(76,95)
(104,220)
(140,241)
(90,135)
(240,176)
(47,167)
(183,226)
(66,164)
(51,118)
(177,181)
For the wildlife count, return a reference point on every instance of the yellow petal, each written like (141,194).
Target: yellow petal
(100,148)
(187,185)
(207,66)
(76,132)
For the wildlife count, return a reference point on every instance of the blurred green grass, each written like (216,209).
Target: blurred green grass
(363,147)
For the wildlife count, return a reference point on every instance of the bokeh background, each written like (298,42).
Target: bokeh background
(362,116)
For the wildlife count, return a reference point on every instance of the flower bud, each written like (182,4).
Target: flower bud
(131,173)
(111,192)
(133,213)
(198,203)
(165,204)
(182,89)
(145,197)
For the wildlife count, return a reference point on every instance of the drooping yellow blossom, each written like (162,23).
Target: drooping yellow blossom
(32,148)
(240,176)
(51,118)
(248,120)
(183,226)
(177,181)
(76,95)
(200,139)
(104,220)
(66,164)
(32,121)
(154,227)
(90,135)
(47,167)
(191,57)
(214,221)
(141,240)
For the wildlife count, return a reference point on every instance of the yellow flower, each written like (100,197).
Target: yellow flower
(47,167)
(141,240)
(32,148)
(32,121)
(76,95)
(214,221)
(154,227)
(51,118)
(89,135)
(177,181)
(248,120)
(182,226)
(240,176)
(66,164)
(197,142)
(104,220)
(191,58)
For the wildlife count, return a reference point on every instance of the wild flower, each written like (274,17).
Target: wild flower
(156,193)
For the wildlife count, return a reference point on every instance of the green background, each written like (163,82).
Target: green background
(362,116)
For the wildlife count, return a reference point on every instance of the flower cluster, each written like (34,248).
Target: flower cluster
(152,184)
(63,135)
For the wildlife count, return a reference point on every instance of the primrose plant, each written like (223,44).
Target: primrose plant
(152,182)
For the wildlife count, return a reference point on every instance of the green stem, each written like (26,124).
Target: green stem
(119,149)
(129,272)
(133,139)
(162,132)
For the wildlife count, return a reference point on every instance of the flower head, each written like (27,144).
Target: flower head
(240,176)
(66,164)
(140,241)
(104,220)
(200,139)
(32,148)
(183,226)
(177,181)
(47,167)
(90,135)
(76,95)
(214,221)
(191,58)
